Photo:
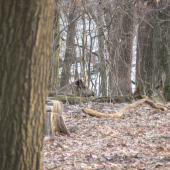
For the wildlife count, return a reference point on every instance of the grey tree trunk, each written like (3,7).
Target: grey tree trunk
(103,84)
(126,46)
(84,48)
(70,46)
(153,54)
(145,57)
(26,32)
(120,43)
(163,51)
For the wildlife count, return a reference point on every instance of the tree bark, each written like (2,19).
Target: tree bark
(54,62)
(126,45)
(145,57)
(25,37)
(163,52)
(103,84)
(152,64)
(70,46)
(120,43)
(84,47)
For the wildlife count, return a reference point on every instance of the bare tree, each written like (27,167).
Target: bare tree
(100,13)
(145,58)
(120,25)
(152,48)
(104,33)
(162,48)
(70,43)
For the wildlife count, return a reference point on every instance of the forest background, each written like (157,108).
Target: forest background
(114,46)
(92,40)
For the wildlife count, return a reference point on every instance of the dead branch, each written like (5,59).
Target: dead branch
(126,108)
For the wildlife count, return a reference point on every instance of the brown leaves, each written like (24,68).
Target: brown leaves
(139,140)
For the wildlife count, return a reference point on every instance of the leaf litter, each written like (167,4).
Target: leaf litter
(139,140)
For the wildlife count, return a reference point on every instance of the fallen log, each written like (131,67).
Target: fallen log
(125,109)
(75,100)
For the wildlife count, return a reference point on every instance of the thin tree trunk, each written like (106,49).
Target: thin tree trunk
(70,46)
(84,48)
(26,28)
(54,62)
(103,84)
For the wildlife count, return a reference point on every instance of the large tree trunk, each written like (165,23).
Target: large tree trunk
(26,28)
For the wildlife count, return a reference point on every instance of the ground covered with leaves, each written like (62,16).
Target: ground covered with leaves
(139,140)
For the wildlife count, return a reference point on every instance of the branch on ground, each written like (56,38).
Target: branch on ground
(126,108)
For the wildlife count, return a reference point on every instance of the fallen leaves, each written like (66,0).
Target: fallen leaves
(138,140)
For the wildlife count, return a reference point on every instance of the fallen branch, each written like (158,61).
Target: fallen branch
(126,108)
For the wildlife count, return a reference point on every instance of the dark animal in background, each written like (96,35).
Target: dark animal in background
(77,88)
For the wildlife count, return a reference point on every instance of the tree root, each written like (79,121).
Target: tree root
(126,108)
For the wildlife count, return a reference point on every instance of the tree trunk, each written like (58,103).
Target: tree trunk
(113,24)
(103,84)
(84,48)
(70,46)
(145,56)
(120,43)
(163,52)
(152,64)
(25,39)
(54,62)
(126,45)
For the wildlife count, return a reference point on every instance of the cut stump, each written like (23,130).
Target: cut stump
(54,121)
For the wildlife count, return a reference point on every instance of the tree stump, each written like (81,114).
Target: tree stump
(54,121)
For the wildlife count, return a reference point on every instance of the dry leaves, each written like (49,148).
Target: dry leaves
(139,140)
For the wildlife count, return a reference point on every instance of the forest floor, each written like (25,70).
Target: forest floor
(139,140)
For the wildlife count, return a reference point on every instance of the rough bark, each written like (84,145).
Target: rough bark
(25,37)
